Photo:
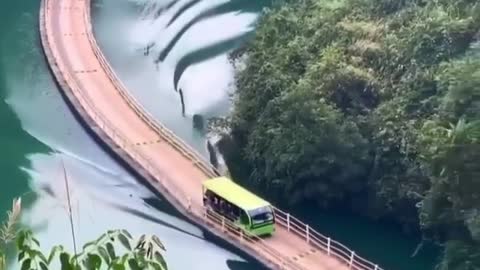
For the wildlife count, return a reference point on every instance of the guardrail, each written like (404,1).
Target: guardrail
(322,242)
(316,239)
(185,149)
(68,81)
(219,223)
(242,236)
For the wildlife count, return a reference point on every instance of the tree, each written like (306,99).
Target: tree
(303,148)
(376,100)
(452,151)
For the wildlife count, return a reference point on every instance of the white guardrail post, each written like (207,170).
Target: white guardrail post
(376,267)
(308,233)
(189,201)
(288,221)
(352,257)
(329,240)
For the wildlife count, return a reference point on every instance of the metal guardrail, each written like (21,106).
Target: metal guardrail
(70,82)
(326,244)
(242,236)
(315,239)
(185,149)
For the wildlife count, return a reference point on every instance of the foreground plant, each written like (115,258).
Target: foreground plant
(115,249)
(8,231)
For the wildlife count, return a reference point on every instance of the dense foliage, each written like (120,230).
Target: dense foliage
(373,103)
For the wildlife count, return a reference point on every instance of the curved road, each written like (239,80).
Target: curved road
(100,99)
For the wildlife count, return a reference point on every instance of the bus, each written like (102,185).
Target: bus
(235,203)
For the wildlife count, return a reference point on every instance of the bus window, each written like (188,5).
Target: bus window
(232,211)
(212,200)
(261,215)
(244,218)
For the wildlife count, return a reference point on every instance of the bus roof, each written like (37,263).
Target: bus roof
(234,193)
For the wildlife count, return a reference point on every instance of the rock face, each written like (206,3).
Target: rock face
(198,122)
(213,154)
(214,140)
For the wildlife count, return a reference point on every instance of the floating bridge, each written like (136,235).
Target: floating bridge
(111,113)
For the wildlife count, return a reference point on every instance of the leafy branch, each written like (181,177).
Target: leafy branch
(115,249)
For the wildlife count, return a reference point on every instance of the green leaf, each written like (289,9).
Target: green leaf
(111,251)
(158,242)
(125,242)
(43,266)
(65,261)
(156,266)
(85,264)
(103,237)
(104,254)
(2,260)
(21,255)
(89,244)
(21,240)
(37,254)
(141,260)
(55,250)
(140,241)
(125,258)
(159,258)
(93,261)
(26,264)
(36,241)
(150,250)
(74,260)
(133,264)
(126,233)
(118,266)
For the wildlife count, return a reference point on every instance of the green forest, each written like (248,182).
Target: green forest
(368,105)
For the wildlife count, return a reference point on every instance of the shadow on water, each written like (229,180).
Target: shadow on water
(206,53)
(240,6)
(181,10)
(237,265)
(165,8)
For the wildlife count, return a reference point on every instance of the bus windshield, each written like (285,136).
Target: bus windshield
(261,215)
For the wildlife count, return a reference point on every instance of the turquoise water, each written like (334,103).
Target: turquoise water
(38,134)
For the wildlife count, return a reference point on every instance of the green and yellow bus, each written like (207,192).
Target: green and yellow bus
(240,206)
